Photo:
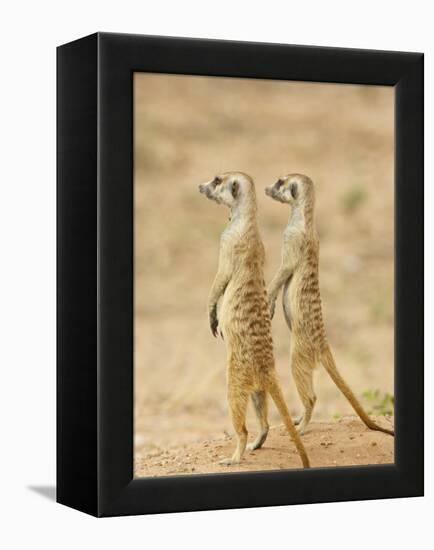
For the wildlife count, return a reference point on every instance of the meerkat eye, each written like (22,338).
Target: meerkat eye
(279,183)
(294,190)
(217,181)
(234,188)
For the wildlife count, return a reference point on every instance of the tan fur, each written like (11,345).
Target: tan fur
(244,320)
(299,277)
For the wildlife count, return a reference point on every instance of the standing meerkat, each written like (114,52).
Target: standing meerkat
(244,320)
(298,275)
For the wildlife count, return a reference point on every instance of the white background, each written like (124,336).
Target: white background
(30,31)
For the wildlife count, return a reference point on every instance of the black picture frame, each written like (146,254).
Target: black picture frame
(95,274)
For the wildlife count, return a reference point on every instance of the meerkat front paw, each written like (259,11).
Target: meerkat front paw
(213,321)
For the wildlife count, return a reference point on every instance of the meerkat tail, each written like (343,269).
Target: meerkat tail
(276,394)
(329,364)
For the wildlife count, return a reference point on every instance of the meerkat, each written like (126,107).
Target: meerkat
(299,277)
(243,320)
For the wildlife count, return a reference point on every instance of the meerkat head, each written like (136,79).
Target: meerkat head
(229,188)
(293,189)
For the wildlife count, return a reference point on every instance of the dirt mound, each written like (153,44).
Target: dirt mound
(345,442)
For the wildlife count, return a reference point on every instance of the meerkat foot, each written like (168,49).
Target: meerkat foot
(298,420)
(229,461)
(302,425)
(239,451)
(253,446)
(259,441)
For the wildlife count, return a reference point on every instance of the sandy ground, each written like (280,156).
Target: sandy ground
(346,442)
(187,130)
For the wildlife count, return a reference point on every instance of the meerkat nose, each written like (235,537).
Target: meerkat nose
(201,188)
(268,190)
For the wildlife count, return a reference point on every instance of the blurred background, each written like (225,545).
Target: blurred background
(187,129)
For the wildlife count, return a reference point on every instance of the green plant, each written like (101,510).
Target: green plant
(381,403)
(353,199)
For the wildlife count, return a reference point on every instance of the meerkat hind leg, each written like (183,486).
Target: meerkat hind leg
(259,400)
(238,409)
(302,371)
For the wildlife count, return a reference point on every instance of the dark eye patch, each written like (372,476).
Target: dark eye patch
(279,183)
(217,180)
(234,189)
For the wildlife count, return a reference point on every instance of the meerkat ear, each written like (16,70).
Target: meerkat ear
(235,188)
(294,190)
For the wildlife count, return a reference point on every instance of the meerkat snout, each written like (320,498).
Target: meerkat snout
(207,190)
(277,191)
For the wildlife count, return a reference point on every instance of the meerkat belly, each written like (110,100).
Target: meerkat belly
(292,301)
(244,319)
(230,312)
(306,309)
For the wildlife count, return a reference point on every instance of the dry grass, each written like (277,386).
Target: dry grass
(186,130)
